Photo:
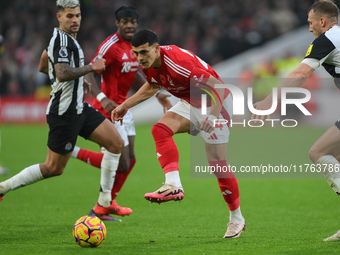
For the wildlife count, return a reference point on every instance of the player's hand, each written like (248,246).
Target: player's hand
(207,126)
(99,64)
(108,105)
(118,113)
(164,101)
(87,86)
(264,104)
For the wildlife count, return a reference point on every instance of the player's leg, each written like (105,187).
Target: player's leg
(101,131)
(127,161)
(107,136)
(61,138)
(326,153)
(216,155)
(124,169)
(122,173)
(90,157)
(171,123)
(95,158)
(216,149)
(53,166)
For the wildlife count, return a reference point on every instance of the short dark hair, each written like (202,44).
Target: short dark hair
(126,12)
(144,36)
(326,8)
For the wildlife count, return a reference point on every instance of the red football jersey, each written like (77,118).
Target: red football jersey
(178,68)
(121,67)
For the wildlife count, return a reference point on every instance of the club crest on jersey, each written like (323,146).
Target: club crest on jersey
(63,52)
(170,81)
(132,54)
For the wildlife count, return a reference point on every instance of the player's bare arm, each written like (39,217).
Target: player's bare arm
(164,101)
(139,80)
(162,98)
(87,86)
(294,79)
(108,104)
(144,93)
(43,64)
(66,73)
(208,125)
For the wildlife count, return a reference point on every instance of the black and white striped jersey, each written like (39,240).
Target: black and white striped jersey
(325,51)
(66,96)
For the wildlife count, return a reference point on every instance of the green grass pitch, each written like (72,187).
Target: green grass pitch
(283,215)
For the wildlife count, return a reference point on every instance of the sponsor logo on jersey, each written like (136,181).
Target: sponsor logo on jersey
(125,56)
(130,66)
(63,52)
(153,80)
(175,89)
(159,155)
(309,50)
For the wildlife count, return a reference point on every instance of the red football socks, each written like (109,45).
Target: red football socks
(228,184)
(95,159)
(90,157)
(120,179)
(166,148)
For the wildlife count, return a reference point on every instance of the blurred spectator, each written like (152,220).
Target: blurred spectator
(213,29)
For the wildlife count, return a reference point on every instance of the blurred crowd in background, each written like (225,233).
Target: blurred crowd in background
(213,29)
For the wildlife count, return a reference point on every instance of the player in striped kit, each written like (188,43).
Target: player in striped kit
(182,73)
(325,51)
(67,114)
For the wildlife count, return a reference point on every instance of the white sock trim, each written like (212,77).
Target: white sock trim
(173,178)
(75,152)
(331,174)
(236,216)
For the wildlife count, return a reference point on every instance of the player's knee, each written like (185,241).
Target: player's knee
(51,170)
(154,130)
(115,146)
(314,154)
(160,130)
(124,166)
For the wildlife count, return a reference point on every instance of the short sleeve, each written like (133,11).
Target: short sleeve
(320,48)
(61,54)
(199,73)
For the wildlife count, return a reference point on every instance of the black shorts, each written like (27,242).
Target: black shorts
(337,124)
(64,129)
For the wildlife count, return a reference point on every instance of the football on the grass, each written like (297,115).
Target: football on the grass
(89,231)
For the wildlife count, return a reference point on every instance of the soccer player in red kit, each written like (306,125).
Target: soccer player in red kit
(120,73)
(182,73)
